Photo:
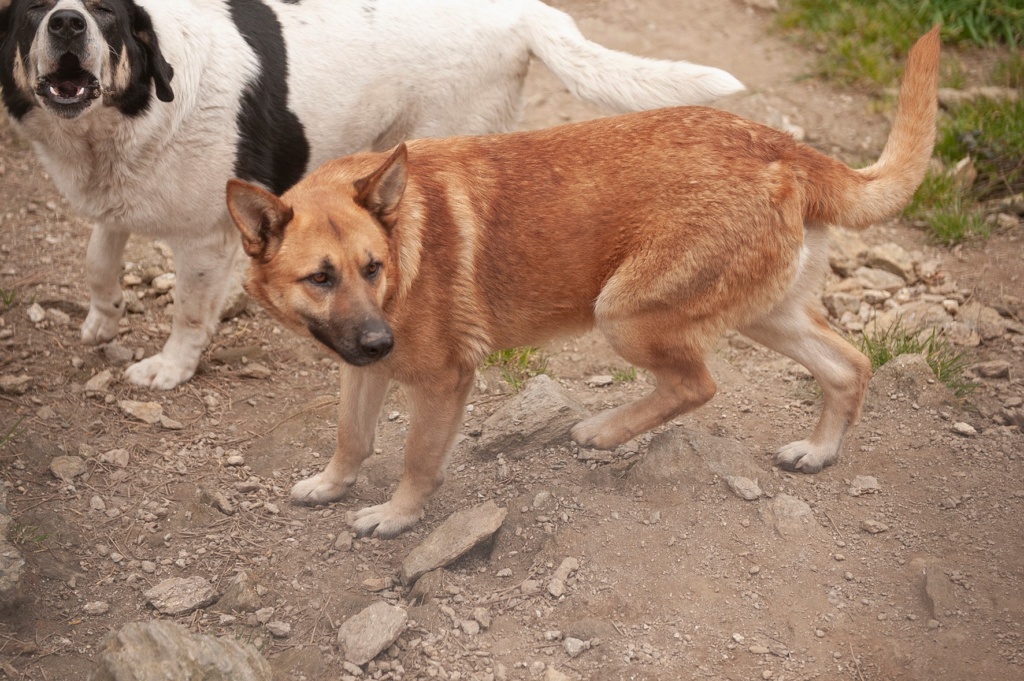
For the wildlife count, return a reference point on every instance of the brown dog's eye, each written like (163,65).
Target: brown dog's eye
(372,270)
(319,278)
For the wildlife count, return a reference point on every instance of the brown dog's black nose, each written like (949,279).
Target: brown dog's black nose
(66,24)
(376,342)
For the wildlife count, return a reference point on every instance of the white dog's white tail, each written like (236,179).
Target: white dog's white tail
(620,81)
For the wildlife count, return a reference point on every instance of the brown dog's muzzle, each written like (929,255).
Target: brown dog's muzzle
(358,344)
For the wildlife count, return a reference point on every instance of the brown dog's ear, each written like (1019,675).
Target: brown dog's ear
(260,217)
(381,192)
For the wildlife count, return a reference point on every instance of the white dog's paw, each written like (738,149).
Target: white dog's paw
(159,372)
(384,521)
(99,327)
(318,489)
(806,457)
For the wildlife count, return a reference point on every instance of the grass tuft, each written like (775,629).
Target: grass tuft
(518,365)
(947,210)
(624,375)
(948,365)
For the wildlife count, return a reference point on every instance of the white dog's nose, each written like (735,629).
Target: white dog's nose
(67,24)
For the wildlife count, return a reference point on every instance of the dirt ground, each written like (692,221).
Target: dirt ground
(679,578)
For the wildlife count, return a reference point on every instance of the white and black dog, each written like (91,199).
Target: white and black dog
(141,110)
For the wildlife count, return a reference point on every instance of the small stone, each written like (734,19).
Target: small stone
(482,616)
(964,429)
(115,457)
(254,370)
(163,282)
(455,537)
(96,608)
(552,674)
(67,468)
(839,557)
(470,627)
(35,313)
(819,633)
(873,526)
(864,484)
(99,383)
(344,541)
(180,596)
(279,629)
(170,424)
(117,354)
(543,500)
(234,460)
(600,381)
(363,636)
(97,504)
(264,615)
(993,369)
(759,650)
(556,586)
(754,569)
(574,646)
(148,412)
(739,638)
(15,385)
(744,488)
(148,566)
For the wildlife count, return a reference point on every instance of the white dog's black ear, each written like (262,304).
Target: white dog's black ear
(260,217)
(157,67)
(381,192)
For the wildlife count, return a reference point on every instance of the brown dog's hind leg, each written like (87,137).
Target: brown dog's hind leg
(662,344)
(799,331)
(361,396)
(436,412)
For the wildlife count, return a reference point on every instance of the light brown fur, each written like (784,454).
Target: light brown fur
(662,229)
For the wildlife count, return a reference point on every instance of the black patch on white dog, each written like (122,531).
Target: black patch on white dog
(16,101)
(272,149)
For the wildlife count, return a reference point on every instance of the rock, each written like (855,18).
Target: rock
(15,385)
(600,381)
(882,280)
(482,616)
(148,412)
(168,423)
(344,541)
(13,593)
(543,500)
(839,303)
(952,98)
(744,488)
(938,592)
(552,674)
(574,646)
(115,457)
(864,484)
(985,320)
(117,354)
(455,537)
(35,313)
(682,457)
(363,636)
(790,517)
(240,595)
(873,526)
(892,258)
(180,596)
(964,429)
(470,627)
(963,335)
(96,608)
(67,468)
(994,369)
(279,629)
(427,587)
(99,383)
(160,649)
(163,282)
(591,628)
(540,416)
(556,586)
(846,251)
(910,376)
(255,370)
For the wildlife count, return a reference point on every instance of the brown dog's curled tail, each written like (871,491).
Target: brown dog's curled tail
(860,198)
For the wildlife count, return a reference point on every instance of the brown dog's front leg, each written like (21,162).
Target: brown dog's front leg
(361,396)
(437,409)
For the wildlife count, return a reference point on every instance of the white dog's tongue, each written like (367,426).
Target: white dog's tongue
(67,89)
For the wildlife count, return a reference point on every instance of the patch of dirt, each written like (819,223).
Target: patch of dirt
(679,578)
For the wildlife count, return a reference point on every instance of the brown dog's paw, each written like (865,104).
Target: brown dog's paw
(317,490)
(599,432)
(384,521)
(804,456)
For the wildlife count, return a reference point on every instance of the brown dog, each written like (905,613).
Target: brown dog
(662,228)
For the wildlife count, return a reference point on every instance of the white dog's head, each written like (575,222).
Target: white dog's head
(64,55)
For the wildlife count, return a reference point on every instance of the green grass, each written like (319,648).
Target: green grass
(992,133)
(947,364)
(518,365)
(624,375)
(947,210)
(7,437)
(7,297)
(865,41)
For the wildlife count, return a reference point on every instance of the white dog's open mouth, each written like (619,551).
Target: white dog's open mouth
(70,88)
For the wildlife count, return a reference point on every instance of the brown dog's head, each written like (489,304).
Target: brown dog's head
(320,256)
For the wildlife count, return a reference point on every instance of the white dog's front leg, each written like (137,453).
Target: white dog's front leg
(102,274)
(204,267)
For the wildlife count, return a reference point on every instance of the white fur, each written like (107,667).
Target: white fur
(413,68)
